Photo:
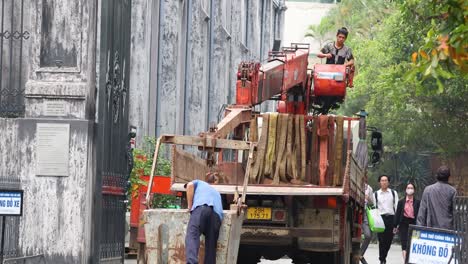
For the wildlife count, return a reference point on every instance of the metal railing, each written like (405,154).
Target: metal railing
(39,259)
(12,35)
(10,247)
(460,216)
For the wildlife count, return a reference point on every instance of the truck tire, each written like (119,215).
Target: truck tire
(300,259)
(248,255)
(273,252)
(300,256)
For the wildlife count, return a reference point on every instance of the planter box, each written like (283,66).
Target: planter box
(161,184)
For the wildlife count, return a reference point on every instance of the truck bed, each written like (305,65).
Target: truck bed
(345,173)
(272,189)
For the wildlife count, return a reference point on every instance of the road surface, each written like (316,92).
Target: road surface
(372,256)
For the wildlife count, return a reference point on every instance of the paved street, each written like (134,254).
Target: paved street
(394,255)
(372,256)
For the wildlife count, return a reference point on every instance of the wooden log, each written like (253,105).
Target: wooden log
(302,142)
(338,166)
(323,144)
(270,159)
(257,172)
(281,147)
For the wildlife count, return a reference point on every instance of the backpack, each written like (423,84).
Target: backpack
(377,200)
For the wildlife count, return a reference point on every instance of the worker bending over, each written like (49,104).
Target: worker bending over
(206,214)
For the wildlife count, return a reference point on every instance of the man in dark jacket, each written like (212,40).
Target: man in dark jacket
(436,208)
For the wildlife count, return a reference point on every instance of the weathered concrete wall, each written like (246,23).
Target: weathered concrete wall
(194,54)
(59,70)
(183,69)
(141,65)
(169,35)
(55,209)
(197,79)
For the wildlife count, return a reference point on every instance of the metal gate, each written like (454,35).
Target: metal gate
(112,129)
(13,38)
(461,226)
(12,72)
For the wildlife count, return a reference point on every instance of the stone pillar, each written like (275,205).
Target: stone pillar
(141,113)
(59,93)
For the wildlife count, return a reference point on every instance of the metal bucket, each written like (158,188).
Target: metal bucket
(165,236)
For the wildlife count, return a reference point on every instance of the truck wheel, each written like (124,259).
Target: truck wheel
(274,252)
(299,257)
(248,255)
(300,260)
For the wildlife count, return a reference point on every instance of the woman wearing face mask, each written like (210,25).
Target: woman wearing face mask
(406,214)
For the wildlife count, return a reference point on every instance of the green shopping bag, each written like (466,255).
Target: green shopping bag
(376,223)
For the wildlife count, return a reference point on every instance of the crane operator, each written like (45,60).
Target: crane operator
(337,52)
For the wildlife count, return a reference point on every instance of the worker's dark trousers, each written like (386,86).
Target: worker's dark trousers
(385,238)
(203,220)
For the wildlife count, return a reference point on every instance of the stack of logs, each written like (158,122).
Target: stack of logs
(289,153)
(281,149)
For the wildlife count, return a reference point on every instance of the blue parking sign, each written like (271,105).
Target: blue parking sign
(430,245)
(11,202)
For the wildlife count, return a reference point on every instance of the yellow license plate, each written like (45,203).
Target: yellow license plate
(259,213)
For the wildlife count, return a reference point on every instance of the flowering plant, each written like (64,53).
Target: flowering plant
(142,164)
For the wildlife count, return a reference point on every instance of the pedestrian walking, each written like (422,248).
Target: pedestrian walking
(206,214)
(386,201)
(369,200)
(436,208)
(406,214)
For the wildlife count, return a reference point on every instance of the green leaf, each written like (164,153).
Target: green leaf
(440,86)
(430,33)
(428,71)
(443,73)
(435,61)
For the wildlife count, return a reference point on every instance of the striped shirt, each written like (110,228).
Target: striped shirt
(339,56)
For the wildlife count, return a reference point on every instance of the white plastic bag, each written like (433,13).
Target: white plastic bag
(376,223)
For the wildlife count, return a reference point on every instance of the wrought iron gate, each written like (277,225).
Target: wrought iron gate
(12,75)
(460,216)
(112,129)
(13,38)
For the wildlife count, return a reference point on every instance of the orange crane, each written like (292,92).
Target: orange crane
(285,77)
(305,169)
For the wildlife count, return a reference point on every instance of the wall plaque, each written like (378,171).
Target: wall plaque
(52,154)
(54,109)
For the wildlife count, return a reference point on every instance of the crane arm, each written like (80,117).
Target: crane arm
(284,70)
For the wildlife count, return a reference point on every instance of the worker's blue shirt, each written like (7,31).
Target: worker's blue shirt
(205,194)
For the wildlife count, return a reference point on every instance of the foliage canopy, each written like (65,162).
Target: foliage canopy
(411,71)
(416,112)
